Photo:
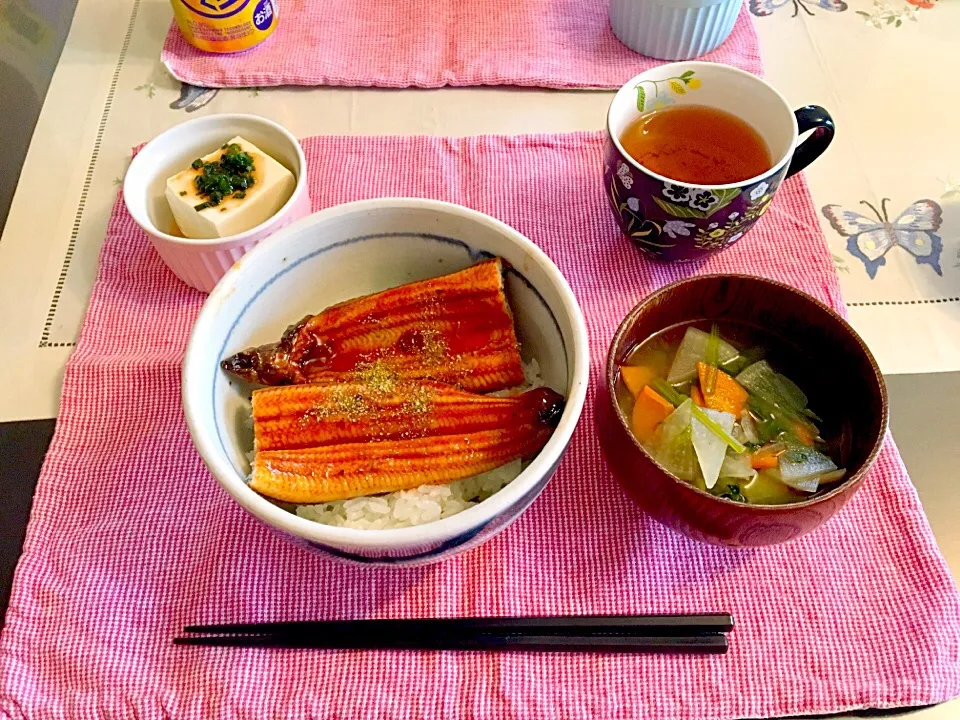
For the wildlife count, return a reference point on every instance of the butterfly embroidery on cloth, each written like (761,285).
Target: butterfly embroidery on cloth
(914,230)
(763,8)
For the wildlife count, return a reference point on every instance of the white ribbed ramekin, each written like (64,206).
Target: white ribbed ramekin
(201,263)
(673,29)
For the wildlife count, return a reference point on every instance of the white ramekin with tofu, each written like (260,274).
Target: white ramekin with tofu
(208,190)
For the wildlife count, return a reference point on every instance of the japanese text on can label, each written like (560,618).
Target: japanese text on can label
(225,25)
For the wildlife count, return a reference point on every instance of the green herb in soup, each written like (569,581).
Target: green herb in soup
(717,414)
(229,175)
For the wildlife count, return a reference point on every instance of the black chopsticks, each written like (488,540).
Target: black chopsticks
(702,634)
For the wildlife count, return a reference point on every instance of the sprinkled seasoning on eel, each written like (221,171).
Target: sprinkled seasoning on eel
(370,433)
(351,411)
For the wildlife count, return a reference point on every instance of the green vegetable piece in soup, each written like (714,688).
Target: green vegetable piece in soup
(668,392)
(741,361)
(732,492)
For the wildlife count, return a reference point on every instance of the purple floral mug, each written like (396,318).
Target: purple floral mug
(677,221)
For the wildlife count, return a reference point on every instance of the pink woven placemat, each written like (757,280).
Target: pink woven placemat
(131,539)
(431,43)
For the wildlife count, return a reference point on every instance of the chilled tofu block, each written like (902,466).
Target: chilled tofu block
(238,211)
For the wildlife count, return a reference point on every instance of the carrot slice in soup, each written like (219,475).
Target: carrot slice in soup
(636,377)
(728,395)
(802,434)
(649,411)
(766,457)
(697,396)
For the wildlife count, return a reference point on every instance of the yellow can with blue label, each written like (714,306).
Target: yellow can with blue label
(225,26)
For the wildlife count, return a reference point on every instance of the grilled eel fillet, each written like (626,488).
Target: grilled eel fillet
(324,442)
(356,411)
(339,472)
(457,328)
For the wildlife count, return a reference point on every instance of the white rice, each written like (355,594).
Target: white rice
(406,508)
(426,503)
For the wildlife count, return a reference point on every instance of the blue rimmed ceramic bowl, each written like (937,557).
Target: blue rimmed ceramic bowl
(352,250)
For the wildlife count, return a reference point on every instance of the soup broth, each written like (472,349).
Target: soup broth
(711,405)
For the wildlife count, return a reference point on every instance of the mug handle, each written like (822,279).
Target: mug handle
(811,117)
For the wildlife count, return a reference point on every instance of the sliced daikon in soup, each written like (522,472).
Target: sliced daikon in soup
(801,468)
(737,466)
(693,349)
(674,449)
(760,379)
(710,447)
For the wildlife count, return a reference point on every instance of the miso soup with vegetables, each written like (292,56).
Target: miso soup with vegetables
(710,405)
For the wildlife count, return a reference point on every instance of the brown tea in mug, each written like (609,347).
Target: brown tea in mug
(697,144)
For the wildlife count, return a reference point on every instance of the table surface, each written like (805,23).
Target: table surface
(881,66)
